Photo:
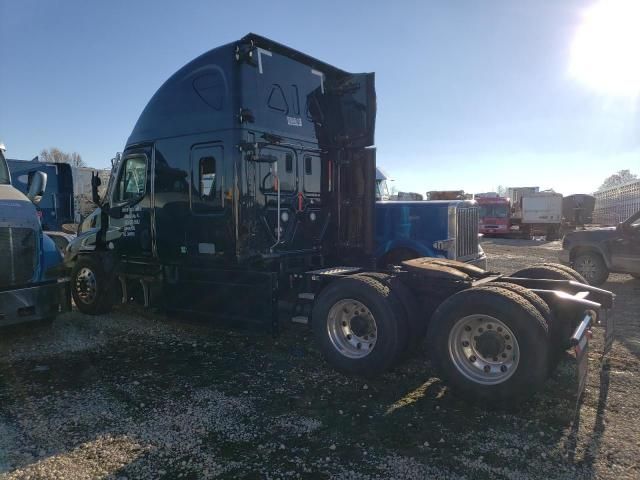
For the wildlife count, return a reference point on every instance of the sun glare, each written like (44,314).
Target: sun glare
(605,53)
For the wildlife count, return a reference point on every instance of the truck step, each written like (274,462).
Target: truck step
(302,319)
(306,296)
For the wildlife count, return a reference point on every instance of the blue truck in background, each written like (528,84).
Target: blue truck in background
(56,205)
(413,229)
(439,228)
(32,282)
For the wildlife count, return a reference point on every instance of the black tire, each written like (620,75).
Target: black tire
(525,322)
(559,333)
(543,272)
(415,324)
(576,276)
(93,300)
(374,296)
(530,296)
(592,267)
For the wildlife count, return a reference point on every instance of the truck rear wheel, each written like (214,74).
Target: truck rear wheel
(356,326)
(89,287)
(576,275)
(490,344)
(558,336)
(543,272)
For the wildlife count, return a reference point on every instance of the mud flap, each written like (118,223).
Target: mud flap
(607,321)
(580,342)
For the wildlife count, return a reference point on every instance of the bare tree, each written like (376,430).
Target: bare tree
(501,191)
(55,155)
(618,178)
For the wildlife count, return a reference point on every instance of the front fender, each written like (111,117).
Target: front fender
(407,244)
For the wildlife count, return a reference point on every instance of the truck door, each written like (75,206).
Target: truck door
(312,215)
(625,248)
(276,171)
(130,204)
(210,228)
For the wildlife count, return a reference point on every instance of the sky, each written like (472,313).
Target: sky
(471,95)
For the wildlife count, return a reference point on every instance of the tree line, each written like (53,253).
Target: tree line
(55,155)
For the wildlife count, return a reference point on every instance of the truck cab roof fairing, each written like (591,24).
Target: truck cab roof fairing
(190,101)
(206,94)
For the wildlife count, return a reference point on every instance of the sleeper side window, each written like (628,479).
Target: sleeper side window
(207,179)
(132,180)
(208,188)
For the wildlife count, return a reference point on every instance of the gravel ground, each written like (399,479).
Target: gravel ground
(135,394)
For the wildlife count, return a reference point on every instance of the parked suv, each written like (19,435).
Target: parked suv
(596,253)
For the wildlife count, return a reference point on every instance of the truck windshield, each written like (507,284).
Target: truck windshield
(4,171)
(494,211)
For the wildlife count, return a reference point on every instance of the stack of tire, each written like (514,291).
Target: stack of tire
(493,343)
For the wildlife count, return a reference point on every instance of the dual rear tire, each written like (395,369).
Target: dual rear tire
(490,343)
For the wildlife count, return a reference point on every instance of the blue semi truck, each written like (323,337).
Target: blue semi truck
(33,286)
(55,207)
(249,178)
(412,229)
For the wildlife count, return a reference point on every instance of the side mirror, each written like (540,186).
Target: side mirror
(37,186)
(115,212)
(95,183)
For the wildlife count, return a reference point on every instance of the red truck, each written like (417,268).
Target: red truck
(494,215)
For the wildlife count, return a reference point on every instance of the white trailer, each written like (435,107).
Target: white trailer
(537,213)
(542,208)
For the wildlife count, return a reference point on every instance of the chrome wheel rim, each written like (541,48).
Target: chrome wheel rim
(484,349)
(86,285)
(352,328)
(587,268)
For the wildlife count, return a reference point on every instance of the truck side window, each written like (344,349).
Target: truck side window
(207,179)
(207,199)
(133,179)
